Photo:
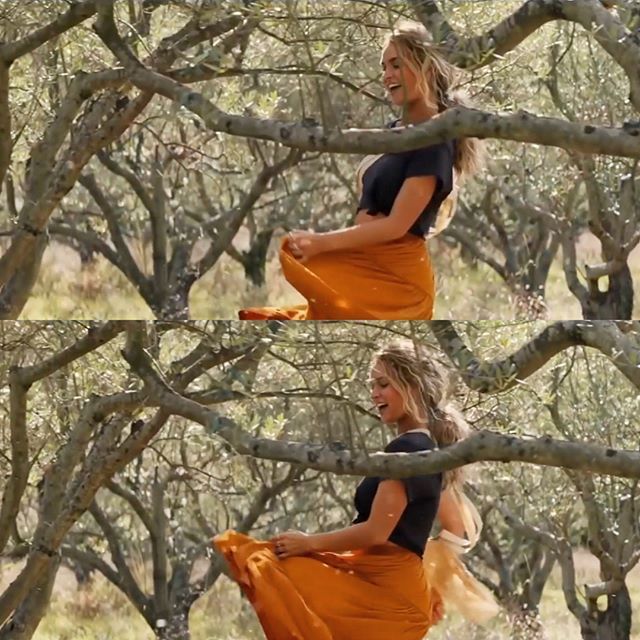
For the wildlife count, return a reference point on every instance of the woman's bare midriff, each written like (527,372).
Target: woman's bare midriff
(363,216)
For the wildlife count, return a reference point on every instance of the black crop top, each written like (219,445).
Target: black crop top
(382,181)
(423,495)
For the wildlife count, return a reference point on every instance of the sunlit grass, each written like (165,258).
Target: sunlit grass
(67,290)
(101,612)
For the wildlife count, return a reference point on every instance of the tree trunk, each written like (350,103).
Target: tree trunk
(533,276)
(614,623)
(176,628)
(27,616)
(525,623)
(255,260)
(614,304)
(530,304)
(174,307)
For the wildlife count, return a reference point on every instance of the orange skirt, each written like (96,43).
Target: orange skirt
(388,281)
(377,593)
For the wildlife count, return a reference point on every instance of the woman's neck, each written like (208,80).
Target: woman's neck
(416,112)
(404,428)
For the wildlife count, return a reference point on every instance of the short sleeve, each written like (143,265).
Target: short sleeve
(418,487)
(435,160)
(365,201)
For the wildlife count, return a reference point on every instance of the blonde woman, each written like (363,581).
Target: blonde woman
(374,579)
(379,268)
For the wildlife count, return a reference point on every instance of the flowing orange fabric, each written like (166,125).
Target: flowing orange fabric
(377,593)
(388,281)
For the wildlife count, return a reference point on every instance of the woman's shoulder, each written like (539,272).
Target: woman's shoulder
(410,441)
(443,147)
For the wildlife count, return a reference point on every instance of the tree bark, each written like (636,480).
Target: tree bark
(614,623)
(175,306)
(29,613)
(526,625)
(255,260)
(175,628)
(616,303)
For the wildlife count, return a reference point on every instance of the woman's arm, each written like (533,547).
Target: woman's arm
(415,194)
(410,202)
(388,505)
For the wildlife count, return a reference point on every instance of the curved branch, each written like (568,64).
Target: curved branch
(483,446)
(608,337)
(236,217)
(93,561)
(455,122)
(126,579)
(520,126)
(478,51)
(77,13)
(91,241)
(5,123)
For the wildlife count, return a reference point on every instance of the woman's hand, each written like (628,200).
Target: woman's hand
(292,543)
(304,244)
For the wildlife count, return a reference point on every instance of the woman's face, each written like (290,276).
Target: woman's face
(398,78)
(386,397)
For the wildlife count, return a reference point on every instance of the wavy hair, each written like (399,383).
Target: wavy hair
(422,384)
(437,81)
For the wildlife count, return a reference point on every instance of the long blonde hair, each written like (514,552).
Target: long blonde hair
(437,79)
(422,384)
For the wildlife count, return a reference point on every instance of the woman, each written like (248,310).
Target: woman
(369,580)
(379,268)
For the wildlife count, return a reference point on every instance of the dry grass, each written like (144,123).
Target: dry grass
(67,290)
(101,612)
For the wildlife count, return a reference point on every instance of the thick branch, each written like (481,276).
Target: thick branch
(612,36)
(5,123)
(488,377)
(34,215)
(453,123)
(77,13)
(97,335)
(478,51)
(17,481)
(127,582)
(20,380)
(482,446)
(125,261)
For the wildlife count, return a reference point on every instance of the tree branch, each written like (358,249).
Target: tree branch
(488,377)
(6,143)
(455,122)
(126,581)
(77,13)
